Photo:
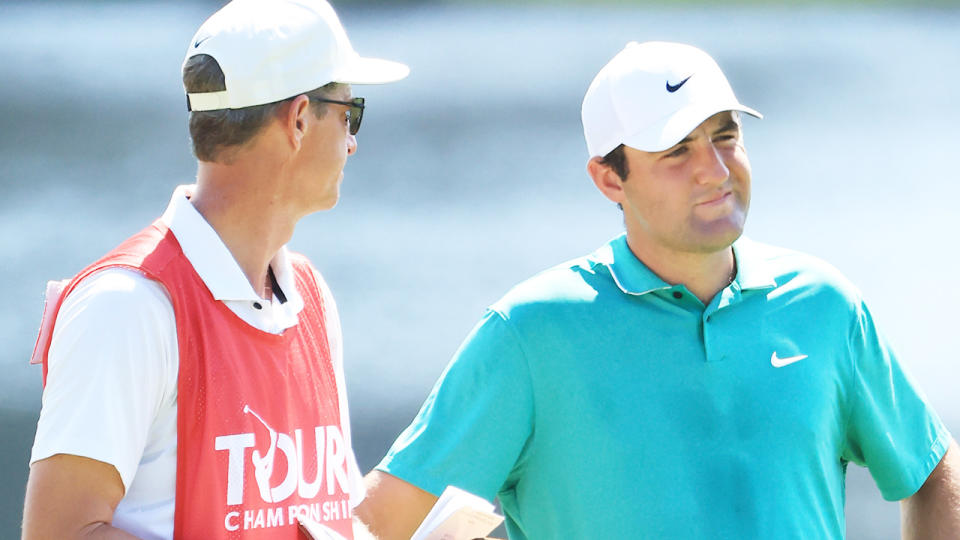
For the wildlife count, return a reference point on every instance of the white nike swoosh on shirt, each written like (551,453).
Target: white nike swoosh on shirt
(780,362)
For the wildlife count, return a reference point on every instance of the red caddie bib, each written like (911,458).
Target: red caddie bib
(259,439)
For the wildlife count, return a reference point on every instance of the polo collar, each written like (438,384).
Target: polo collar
(753,270)
(633,277)
(213,261)
(629,273)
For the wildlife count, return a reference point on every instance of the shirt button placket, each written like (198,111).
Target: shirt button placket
(711,355)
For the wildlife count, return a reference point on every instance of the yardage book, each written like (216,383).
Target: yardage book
(458,515)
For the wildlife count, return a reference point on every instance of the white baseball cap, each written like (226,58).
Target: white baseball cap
(651,95)
(270,50)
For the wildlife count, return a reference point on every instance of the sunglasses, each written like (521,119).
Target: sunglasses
(354,115)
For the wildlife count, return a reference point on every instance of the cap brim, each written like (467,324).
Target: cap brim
(673,128)
(371,71)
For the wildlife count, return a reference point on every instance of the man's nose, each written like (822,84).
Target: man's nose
(711,168)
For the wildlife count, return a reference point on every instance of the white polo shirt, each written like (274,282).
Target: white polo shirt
(111,391)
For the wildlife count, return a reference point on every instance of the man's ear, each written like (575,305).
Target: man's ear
(606,179)
(295,119)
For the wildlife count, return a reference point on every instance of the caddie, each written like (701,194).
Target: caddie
(681,381)
(193,375)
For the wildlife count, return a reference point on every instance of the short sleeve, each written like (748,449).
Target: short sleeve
(891,428)
(111,362)
(474,425)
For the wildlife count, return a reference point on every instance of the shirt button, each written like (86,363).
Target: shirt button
(677,294)
(256,305)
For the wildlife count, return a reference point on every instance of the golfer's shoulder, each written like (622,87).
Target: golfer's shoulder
(796,273)
(565,285)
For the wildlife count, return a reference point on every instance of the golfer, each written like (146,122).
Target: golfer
(681,381)
(193,376)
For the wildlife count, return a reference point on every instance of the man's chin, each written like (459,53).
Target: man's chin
(327,203)
(717,236)
(330,205)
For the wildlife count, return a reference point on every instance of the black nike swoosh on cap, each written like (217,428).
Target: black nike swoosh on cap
(201,40)
(674,87)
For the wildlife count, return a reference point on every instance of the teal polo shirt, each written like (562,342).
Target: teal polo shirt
(597,401)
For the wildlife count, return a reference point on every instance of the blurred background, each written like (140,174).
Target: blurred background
(470,174)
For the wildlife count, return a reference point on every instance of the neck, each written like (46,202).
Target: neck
(704,274)
(237,199)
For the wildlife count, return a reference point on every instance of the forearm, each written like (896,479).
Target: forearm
(38,524)
(933,512)
(104,531)
(72,497)
(393,509)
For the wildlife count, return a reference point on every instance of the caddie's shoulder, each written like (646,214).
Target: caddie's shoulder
(119,291)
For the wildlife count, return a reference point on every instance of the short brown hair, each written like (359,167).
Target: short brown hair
(616,159)
(212,132)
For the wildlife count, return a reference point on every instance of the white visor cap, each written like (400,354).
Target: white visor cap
(651,95)
(270,50)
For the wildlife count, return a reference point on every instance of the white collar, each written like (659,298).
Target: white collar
(213,261)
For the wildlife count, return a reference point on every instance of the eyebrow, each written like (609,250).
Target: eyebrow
(730,125)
